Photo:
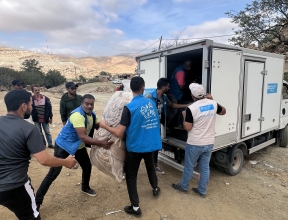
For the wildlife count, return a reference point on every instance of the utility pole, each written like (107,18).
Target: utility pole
(160,43)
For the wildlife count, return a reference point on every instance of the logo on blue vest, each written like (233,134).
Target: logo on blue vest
(148,111)
(206,108)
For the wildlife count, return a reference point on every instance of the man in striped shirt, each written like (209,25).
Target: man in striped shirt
(42,114)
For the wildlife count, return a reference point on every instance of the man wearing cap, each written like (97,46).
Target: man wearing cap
(199,122)
(17,84)
(69,101)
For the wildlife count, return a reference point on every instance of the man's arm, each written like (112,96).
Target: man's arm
(46,159)
(187,119)
(88,140)
(117,131)
(175,105)
(50,109)
(220,109)
(63,112)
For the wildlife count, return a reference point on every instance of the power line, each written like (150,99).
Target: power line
(130,56)
(199,38)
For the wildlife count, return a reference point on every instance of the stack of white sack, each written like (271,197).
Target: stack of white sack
(111,161)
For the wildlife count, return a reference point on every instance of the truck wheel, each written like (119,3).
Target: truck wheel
(284,137)
(237,162)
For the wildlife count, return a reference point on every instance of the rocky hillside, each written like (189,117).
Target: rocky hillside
(86,66)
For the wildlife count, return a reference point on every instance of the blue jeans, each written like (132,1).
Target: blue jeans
(202,154)
(46,129)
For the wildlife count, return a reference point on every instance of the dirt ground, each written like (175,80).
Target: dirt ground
(259,191)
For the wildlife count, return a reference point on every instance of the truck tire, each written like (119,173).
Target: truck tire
(237,162)
(284,137)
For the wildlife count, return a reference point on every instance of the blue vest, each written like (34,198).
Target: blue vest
(175,90)
(154,98)
(68,138)
(143,133)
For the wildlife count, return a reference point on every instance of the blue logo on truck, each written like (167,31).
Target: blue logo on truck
(272,88)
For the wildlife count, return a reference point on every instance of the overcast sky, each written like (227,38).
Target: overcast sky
(110,27)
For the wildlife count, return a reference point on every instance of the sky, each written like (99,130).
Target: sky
(84,28)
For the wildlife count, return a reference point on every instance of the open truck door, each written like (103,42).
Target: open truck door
(225,74)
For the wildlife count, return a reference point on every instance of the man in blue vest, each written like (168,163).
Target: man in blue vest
(72,139)
(141,124)
(158,96)
(178,83)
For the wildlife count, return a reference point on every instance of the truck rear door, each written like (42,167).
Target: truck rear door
(252,98)
(225,66)
(151,70)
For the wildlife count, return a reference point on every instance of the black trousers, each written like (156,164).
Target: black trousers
(82,158)
(132,163)
(21,201)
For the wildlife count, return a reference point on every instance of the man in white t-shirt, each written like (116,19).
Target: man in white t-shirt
(199,122)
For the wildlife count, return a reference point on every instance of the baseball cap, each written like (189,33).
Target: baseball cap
(16,82)
(70,84)
(197,90)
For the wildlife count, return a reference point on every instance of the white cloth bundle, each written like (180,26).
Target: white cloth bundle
(111,161)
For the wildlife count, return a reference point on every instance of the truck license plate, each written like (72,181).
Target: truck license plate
(168,153)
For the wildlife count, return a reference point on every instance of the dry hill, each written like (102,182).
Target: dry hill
(86,66)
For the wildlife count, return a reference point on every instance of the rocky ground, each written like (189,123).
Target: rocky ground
(259,191)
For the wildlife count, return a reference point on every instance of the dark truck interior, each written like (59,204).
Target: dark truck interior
(194,74)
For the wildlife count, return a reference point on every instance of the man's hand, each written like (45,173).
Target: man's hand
(70,161)
(184,114)
(50,121)
(102,124)
(105,143)
(209,96)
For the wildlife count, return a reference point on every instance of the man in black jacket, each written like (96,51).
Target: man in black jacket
(42,114)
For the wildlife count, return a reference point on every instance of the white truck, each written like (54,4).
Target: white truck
(248,83)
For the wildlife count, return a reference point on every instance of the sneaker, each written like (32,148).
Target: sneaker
(195,190)
(89,192)
(75,166)
(179,188)
(129,210)
(50,146)
(179,127)
(156,191)
(158,170)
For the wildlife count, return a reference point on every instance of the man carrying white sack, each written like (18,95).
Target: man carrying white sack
(72,139)
(141,124)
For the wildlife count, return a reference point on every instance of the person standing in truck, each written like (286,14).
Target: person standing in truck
(199,122)
(69,101)
(140,123)
(177,85)
(158,96)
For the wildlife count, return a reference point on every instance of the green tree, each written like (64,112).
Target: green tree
(82,78)
(103,73)
(31,65)
(54,78)
(263,23)
(7,75)
(30,78)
